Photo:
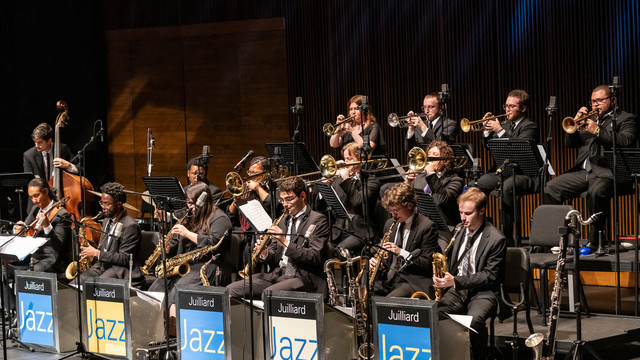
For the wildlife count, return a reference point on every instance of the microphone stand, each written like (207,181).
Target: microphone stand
(297,110)
(616,228)
(444,97)
(551,110)
(82,169)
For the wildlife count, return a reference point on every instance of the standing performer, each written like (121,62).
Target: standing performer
(421,133)
(296,261)
(476,270)
(412,238)
(347,133)
(591,172)
(114,252)
(519,127)
(39,159)
(54,255)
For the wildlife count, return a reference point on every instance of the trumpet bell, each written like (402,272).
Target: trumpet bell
(569,125)
(328,129)
(395,121)
(465,126)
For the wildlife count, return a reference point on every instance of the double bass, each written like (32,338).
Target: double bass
(70,185)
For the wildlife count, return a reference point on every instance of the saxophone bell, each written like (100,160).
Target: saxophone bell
(535,341)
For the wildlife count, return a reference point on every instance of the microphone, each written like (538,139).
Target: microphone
(101,132)
(152,141)
(240,163)
(309,233)
(38,226)
(551,109)
(444,93)
(616,85)
(205,152)
(365,104)
(117,230)
(502,167)
(297,108)
(201,199)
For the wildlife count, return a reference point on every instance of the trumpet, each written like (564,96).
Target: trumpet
(466,125)
(570,125)
(330,129)
(401,121)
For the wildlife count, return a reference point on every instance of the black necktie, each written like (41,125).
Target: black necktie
(107,229)
(513,127)
(47,166)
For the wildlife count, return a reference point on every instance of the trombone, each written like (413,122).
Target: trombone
(417,160)
(466,125)
(570,125)
(235,184)
(401,121)
(330,129)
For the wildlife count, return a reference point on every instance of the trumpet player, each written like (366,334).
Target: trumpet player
(436,127)
(113,253)
(518,126)
(590,171)
(355,131)
(476,269)
(412,240)
(295,260)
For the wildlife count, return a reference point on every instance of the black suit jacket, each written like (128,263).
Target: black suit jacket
(55,254)
(114,253)
(593,147)
(490,262)
(350,193)
(526,130)
(445,129)
(307,255)
(33,162)
(445,191)
(422,243)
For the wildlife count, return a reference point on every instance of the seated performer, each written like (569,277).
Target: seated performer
(354,131)
(476,269)
(204,228)
(590,172)
(412,238)
(296,261)
(421,133)
(348,187)
(519,127)
(197,171)
(114,252)
(55,254)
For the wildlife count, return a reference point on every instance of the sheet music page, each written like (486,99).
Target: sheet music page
(256,215)
(21,247)
(543,155)
(401,170)
(464,320)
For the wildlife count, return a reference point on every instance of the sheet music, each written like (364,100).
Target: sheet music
(401,170)
(544,156)
(256,215)
(21,246)
(464,320)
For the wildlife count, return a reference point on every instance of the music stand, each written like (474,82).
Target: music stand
(334,205)
(16,181)
(459,150)
(11,250)
(168,194)
(306,162)
(389,174)
(519,153)
(628,170)
(428,208)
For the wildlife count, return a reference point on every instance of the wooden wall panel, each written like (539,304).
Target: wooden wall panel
(196,85)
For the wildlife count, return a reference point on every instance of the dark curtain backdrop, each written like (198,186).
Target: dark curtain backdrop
(393,51)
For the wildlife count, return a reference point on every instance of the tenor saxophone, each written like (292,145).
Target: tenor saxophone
(148,265)
(180,264)
(379,256)
(255,254)
(73,268)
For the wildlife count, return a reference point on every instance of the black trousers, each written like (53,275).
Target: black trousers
(573,184)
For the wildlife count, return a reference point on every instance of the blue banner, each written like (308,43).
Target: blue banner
(201,335)
(36,319)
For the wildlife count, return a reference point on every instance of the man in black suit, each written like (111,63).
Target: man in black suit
(436,127)
(297,262)
(518,126)
(412,241)
(39,159)
(54,255)
(115,251)
(476,270)
(591,172)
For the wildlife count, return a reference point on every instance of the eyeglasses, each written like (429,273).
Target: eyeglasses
(510,106)
(105,203)
(287,200)
(430,107)
(394,211)
(600,101)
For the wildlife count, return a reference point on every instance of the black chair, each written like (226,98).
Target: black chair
(148,243)
(543,236)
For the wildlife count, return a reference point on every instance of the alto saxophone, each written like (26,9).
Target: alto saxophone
(536,341)
(255,254)
(146,268)
(74,267)
(180,264)
(381,254)
(439,261)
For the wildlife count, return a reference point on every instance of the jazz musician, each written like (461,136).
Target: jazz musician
(39,159)
(115,250)
(197,171)
(412,240)
(55,225)
(296,261)
(590,172)
(421,133)
(476,269)
(440,180)
(348,187)
(518,126)
(355,131)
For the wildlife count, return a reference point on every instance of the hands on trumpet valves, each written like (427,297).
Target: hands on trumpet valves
(403,121)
